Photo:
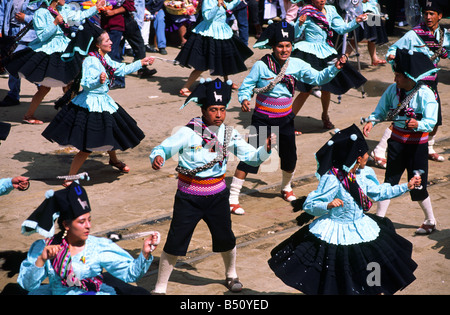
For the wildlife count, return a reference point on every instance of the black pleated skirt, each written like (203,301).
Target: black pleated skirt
(52,70)
(41,68)
(221,57)
(374,33)
(313,266)
(345,80)
(93,131)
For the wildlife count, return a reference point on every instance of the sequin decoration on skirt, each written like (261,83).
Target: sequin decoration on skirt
(93,131)
(313,266)
(345,80)
(220,56)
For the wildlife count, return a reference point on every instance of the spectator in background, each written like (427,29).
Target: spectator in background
(254,16)
(113,21)
(156,9)
(134,20)
(240,13)
(15,16)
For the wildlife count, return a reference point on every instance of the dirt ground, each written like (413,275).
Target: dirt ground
(142,200)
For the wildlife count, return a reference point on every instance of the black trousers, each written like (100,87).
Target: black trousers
(262,126)
(401,156)
(134,37)
(188,210)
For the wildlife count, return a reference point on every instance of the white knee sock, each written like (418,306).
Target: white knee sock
(380,149)
(229,260)
(382,207)
(235,190)
(166,264)
(428,211)
(286,180)
(431,141)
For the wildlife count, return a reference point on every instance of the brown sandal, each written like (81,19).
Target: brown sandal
(233,284)
(327,124)
(120,165)
(426,229)
(31,120)
(185,92)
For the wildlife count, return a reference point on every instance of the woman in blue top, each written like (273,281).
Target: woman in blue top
(373,31)
(212,45)
(317,22)
(336,253)
(73,260)
(41,63)
(93,121)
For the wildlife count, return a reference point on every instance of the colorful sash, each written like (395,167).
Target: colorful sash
(274,107)
(348,180)
(273,66)
(109,70)
(208,136)
(408,136)
(199,186)
(430,40)
(320,19)
(210,141)
(62,264)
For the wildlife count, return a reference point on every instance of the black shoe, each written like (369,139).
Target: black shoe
(116,86)
(9,101)
(146,73)
(150,48)
(129,52)
(163,51)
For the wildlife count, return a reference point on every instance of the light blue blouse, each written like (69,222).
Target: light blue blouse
(6,186)
(99,253)
(188,145)
(260,75)
(371,6)
(316,39)
(50,37)
(94,95)
(423,102)
(413,42)
(347,224)
(214,20)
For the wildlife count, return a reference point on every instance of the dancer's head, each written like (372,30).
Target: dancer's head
(213,96)
(278,37)
(346,148)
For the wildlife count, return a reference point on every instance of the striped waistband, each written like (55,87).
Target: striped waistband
(201,186)
(273,107)
(409,136)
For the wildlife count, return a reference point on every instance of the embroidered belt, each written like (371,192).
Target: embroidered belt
(199,186)
(409,136)
(273,107)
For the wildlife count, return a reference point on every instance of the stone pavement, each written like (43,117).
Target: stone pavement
(142,200)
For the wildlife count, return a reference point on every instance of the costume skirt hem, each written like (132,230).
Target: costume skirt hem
(57,69)
(44,69)
(93,131)
(345,80)
(313,266)
(375,33)
(221,57)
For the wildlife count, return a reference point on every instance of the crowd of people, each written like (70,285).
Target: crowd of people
(81,51)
